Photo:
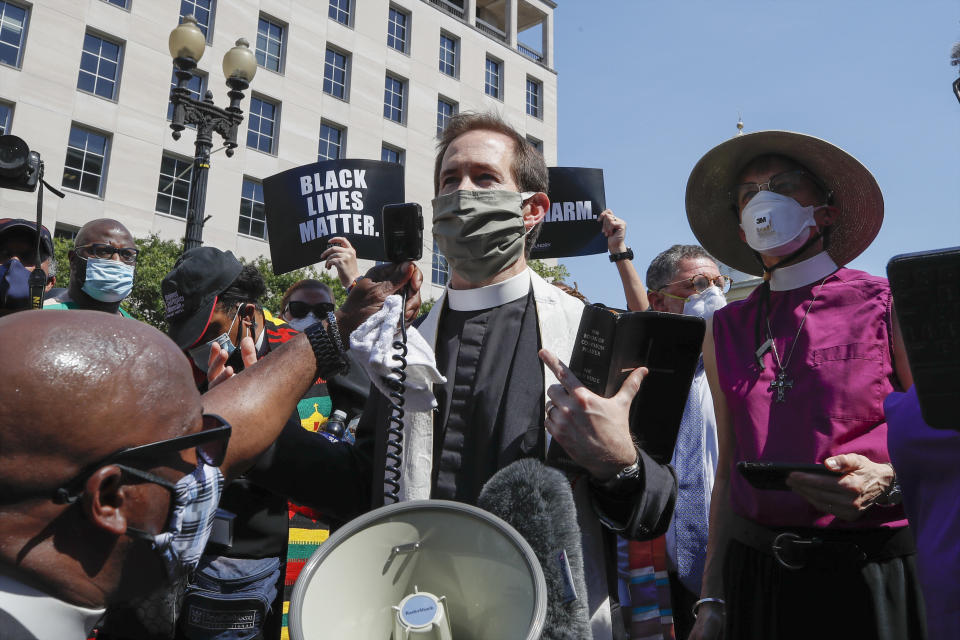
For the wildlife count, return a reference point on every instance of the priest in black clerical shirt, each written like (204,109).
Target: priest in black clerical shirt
(498,332)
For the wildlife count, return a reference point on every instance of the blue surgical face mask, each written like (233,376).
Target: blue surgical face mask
(107,280)
(201,354)
(302,323)
(14,286)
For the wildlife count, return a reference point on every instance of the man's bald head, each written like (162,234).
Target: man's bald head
(102,231)
(81,385)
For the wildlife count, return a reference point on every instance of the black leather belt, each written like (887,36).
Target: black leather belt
(799,548)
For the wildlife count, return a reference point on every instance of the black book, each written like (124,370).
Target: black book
(927,301)
(611,343)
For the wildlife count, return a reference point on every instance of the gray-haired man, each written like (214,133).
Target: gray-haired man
(685,279)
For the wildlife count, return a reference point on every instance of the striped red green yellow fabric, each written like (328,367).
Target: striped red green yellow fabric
(651,616)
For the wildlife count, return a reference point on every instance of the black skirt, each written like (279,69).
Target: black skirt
(871,601)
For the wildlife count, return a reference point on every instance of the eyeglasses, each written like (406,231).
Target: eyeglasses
(210,444)
(106,251)
(788,183)
(300,309)
(700,283)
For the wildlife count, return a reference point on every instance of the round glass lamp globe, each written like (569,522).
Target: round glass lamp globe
(187,41)
(240,62)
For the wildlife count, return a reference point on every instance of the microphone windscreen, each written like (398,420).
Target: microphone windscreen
(537,501)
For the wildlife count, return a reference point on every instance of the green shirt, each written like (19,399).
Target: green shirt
(70,304)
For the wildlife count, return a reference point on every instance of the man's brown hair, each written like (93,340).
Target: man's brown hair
(529,169)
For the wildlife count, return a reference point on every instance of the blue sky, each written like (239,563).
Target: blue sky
(646,87)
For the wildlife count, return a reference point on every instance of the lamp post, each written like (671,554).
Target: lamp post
(187,43)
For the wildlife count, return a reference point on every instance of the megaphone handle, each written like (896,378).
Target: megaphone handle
(394,455)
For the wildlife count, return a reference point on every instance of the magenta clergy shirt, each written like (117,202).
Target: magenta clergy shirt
(841,371)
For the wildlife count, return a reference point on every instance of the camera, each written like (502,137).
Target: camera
(19,167)
(402,232)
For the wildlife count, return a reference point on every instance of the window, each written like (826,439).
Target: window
(491,84)
(331,142)
(13,33)
(448,54)
(85,167)
(340,11)
(253,220)
(534,98)
(195,85)
(65,231)
(6,118)
(123,4)
(393,99)
(445,110)
(99,67)
(261,124)
(203,11)
(536,144)
(397,30)
(270,45)
(173,191)
(335,74)
(439,271)
(391,154)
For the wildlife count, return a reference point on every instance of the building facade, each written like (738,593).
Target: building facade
(86,84)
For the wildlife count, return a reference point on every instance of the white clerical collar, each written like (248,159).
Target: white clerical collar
(492,295)
(43,615)
(802,273)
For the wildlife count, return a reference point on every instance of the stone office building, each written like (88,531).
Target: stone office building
(86,84)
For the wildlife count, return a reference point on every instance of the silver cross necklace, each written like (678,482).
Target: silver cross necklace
(781,384)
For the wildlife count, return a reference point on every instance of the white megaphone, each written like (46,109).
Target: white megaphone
(421,570)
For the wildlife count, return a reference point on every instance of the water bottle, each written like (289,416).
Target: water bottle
(335,426)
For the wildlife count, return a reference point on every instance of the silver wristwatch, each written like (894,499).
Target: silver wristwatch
(624,477)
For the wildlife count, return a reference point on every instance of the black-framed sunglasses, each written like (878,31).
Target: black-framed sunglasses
(106,251)
(210,444)
(300,309)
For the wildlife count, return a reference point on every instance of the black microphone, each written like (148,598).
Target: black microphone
(537,501)
(37,283)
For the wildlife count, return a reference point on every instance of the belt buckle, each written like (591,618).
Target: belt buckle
(777,547)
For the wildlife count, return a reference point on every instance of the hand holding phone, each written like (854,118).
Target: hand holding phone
(772,476)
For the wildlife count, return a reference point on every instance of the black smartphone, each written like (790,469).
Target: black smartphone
(402,232)
(772,476)
(927,301)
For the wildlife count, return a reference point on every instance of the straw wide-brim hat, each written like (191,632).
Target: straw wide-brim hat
(709,202)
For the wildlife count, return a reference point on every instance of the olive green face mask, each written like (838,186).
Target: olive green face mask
(480,233)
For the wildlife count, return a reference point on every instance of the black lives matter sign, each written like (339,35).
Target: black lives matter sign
(571,226)
(308,205)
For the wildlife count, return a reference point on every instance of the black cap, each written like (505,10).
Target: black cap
(46,242)
(190,291)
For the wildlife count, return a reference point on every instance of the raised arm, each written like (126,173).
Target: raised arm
(258,401)
(343,257)
(615,229)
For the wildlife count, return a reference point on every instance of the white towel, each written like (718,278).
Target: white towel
(372,347)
